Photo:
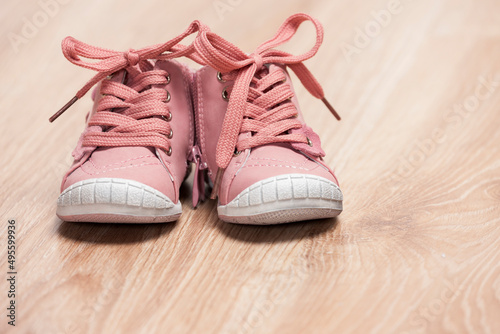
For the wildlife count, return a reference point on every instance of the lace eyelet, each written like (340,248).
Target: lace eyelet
(225,95)
(168,97)
(236,152)
(170,134)
(169,152)
(168,118)
(309,142)
(219,77)
(168,79)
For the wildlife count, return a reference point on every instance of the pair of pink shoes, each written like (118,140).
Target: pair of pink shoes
(237,119)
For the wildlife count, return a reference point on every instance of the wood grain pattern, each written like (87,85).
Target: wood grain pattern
(416,250)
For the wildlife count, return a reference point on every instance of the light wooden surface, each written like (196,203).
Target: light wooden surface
(416,250)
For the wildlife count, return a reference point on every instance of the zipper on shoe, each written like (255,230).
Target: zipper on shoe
(199,175)
(197,125)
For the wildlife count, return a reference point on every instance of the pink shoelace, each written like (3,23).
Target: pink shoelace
(259,104)
(144,111)
(144,115)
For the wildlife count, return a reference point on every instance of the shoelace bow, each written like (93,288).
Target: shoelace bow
(113,61)
(226,58)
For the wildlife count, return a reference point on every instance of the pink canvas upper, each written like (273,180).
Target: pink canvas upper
(141,125)
(257,163)
(150,165)
(261,110)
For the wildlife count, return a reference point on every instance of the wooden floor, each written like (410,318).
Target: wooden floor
(416,250)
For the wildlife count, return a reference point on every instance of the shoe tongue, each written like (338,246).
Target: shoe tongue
(128,75)
(119,76)
(273,68)
(160,64)
(164,65)
(263,71)
(125,76)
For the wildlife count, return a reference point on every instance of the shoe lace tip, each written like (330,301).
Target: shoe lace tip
(332,110)
(213,195)
(63,109)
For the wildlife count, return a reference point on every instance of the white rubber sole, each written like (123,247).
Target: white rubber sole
(113,200)
(284,199)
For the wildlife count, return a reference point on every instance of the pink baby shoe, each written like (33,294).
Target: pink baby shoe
(133,155)
(265,163)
